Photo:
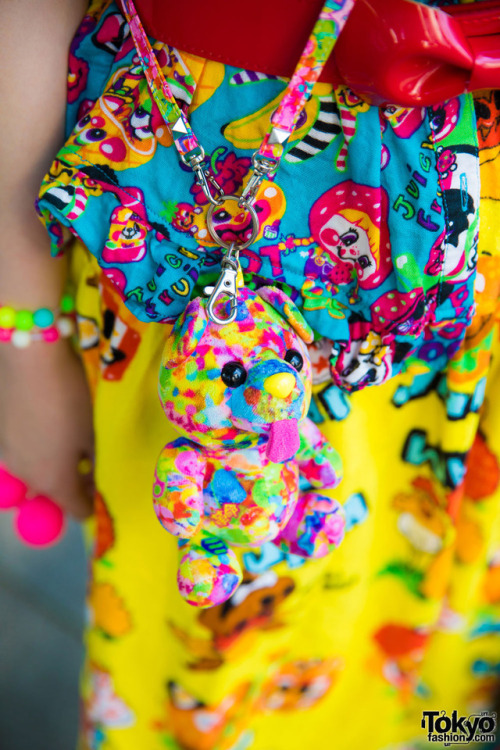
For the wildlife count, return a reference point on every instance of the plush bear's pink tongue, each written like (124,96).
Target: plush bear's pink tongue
(283,441)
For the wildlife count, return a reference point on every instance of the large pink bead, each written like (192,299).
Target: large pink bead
(40,521)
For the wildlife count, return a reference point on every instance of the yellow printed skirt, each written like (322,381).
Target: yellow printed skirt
(345,652)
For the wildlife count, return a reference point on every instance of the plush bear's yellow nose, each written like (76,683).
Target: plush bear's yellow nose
(280,385)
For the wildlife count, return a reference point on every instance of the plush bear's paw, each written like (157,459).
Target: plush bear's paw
(209,571)
(315,529)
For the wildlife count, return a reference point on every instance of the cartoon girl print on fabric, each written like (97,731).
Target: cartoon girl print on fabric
(349,223)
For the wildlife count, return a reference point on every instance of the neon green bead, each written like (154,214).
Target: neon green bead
(67,304)
(43,318)
(7,317)
(24,320)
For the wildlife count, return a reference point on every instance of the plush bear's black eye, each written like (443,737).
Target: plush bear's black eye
(233,374)
(294,358)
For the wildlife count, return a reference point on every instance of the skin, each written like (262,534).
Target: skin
(45,414)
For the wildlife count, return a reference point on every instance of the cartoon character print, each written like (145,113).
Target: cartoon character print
(111,33)
(129,226)
(122,128)
(405,121)
(458,178)
(459,181)
(103,709)
(232,223)
(443,118)
(366,360)
(234,625)
(487,106)
(401,313)
(349,105)
(295,685)
(182,216)
(349,225)
(107,612)
(299,685)
(253,606)
(323,129)
(117,342)
(424,521)
(197,725)
(400,653)
(68,189)
(321,294)
(318,125)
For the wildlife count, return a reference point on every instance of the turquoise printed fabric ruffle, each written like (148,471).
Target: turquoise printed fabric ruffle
(370,225)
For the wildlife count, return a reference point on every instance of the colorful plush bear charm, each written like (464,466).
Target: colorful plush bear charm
(250,467)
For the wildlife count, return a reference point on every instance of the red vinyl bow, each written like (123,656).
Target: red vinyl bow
(405,53)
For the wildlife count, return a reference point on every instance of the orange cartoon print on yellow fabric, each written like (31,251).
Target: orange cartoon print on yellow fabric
(400,653)
(107,612)
(197,725)
(424,521)
(236,624)
(299,684)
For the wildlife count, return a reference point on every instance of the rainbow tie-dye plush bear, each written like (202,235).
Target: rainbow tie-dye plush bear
(251,465)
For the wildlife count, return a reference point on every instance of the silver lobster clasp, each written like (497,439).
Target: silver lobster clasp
(226,287)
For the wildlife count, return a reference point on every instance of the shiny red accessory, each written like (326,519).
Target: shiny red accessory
(402,52)
(390,51)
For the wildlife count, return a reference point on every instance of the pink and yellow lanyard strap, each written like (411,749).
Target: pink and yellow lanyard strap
(266,160)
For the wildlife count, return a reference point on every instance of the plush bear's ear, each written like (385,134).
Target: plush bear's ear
(284,305)
(185,335)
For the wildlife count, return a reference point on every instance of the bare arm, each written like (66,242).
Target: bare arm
(45,422)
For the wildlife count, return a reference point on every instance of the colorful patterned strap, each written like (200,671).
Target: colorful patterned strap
(317,50)
(325,33)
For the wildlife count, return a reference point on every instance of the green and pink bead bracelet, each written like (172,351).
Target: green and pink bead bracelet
(21,327)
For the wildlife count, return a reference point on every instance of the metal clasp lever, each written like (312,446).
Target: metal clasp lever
(226,287)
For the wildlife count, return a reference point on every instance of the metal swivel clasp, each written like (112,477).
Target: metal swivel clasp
(226,287)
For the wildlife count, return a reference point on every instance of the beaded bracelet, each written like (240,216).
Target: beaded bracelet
(21,327)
